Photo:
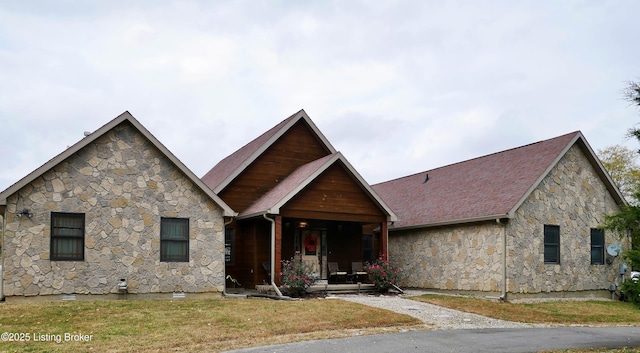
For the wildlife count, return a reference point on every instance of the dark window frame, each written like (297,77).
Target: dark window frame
(597,246)
(551,244)
(166,240)
(229,246)
(57,236)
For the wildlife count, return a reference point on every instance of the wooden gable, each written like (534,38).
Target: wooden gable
(297,147)
(334,195)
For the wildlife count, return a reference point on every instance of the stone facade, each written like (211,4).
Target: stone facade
(124,185)
(464,257)
(468,257)
(574,198)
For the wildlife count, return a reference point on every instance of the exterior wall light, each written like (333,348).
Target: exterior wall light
(24,212)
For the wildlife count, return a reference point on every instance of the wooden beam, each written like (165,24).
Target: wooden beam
(331,216)
(278,245)
(384,235)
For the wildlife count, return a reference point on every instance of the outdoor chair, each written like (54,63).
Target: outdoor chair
(358,273)
(334,272)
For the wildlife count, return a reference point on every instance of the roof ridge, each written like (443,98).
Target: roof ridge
(479,157)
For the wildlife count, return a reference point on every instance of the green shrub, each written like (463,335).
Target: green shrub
(631,290)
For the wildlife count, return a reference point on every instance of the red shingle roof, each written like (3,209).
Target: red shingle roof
(486,187)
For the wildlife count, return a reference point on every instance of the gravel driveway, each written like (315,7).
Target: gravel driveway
(434,317)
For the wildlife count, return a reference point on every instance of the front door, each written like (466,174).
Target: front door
(314,251)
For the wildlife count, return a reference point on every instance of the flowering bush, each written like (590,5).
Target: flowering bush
(296,276)
(382,274)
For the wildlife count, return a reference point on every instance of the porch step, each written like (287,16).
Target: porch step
(342,288)
(326,288)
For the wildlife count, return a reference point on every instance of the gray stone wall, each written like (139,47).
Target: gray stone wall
(469,257)
(464,257)
(574,198)
(123,185)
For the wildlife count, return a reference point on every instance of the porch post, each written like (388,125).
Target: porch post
(384,235)
(278,246)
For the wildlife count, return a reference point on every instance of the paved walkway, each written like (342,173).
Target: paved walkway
(435,317)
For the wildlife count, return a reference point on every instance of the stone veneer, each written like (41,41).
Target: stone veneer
(574,198)
(468,257)
(465,257)
(124,185)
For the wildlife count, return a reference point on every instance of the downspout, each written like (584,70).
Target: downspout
(273,254)
(503,296)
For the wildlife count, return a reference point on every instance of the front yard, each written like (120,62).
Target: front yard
(223,324)
(183,325)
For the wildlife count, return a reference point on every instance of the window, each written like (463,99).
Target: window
(174,239)
(367,248)
(597,246)
(551,244)
(67,236)
(228,246)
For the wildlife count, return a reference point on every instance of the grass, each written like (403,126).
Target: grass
(188,325)
(593,312)
(223,324)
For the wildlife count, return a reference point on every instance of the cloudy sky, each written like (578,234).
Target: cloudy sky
(398,86)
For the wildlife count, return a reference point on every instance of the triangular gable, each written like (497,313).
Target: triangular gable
(229,168)
(290,187)
(126,116)
(591,156)
(484,188)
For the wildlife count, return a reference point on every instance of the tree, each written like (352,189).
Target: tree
(627,220)
(622,164)
(632,93)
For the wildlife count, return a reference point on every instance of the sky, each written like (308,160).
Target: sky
(398,87)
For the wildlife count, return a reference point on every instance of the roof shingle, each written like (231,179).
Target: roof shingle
(487,186)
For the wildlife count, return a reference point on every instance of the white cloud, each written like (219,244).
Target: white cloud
(398,86)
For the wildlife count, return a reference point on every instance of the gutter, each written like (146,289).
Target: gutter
(453,222)
(273,254)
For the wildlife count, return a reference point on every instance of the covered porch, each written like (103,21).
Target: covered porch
(337,251)
(345,244)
